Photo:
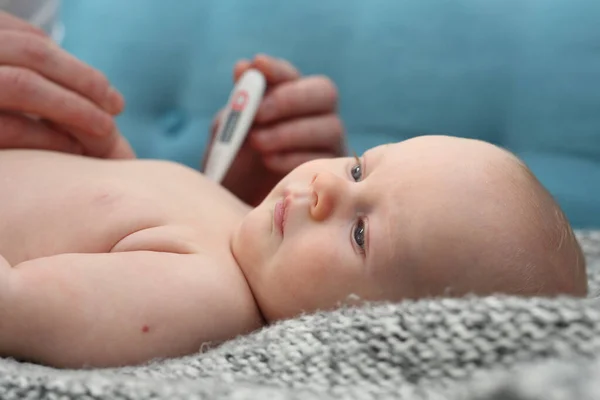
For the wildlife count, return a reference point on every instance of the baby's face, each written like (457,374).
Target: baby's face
(394,225)
(339,235)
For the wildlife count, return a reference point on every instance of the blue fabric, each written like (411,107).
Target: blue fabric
(524,74)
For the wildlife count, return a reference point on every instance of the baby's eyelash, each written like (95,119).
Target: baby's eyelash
(357,169)
(356,157)
(358,235)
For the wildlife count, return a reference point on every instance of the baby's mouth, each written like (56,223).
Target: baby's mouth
(282,207)
(279,215)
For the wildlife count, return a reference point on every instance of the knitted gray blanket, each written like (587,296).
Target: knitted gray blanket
(471,348)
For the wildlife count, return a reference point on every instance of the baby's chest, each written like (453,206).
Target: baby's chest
(157,216)
(101,216)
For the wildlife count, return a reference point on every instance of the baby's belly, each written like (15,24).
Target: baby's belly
(54,204)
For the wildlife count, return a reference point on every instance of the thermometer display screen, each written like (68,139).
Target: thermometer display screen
(238,104)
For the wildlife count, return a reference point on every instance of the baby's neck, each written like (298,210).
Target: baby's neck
(241,268)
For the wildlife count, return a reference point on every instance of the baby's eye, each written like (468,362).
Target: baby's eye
(356,172)
(359,234)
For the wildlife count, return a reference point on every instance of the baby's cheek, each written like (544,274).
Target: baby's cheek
(300,261)
(318,262)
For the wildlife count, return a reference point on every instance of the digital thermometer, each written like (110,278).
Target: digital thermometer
(236,121)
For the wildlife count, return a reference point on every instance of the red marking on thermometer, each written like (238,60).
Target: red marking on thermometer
(236,122)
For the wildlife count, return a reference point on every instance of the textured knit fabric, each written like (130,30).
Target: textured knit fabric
(493,347)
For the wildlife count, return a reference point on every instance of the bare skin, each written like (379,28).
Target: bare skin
(108,263)
(115,263)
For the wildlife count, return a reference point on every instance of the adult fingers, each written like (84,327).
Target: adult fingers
(121,149)
(311,95)
(109,146)
(240,67)
(18,131)
(275,70)
(324,132)
(10,22)
(40,54)
(216,122)
(27,92)
(284,163)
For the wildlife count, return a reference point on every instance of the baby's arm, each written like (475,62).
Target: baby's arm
(77,310)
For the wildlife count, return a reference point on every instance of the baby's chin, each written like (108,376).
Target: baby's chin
(251,241)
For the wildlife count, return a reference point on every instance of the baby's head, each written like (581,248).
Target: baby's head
(430,216)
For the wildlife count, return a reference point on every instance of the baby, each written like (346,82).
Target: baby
(109,263)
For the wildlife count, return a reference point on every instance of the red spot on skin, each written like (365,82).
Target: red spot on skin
(145,329)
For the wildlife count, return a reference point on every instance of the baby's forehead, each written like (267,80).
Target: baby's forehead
(384,163)
(379,151)
(386,234)
(390,153)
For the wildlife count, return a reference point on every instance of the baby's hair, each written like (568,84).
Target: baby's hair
(562,251)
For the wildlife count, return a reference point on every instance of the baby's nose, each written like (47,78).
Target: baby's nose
(329,189)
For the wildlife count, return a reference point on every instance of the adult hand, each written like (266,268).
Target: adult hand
(50,100)
(296,122)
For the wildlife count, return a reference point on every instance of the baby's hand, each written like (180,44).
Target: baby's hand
(296,122)
(50,100)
